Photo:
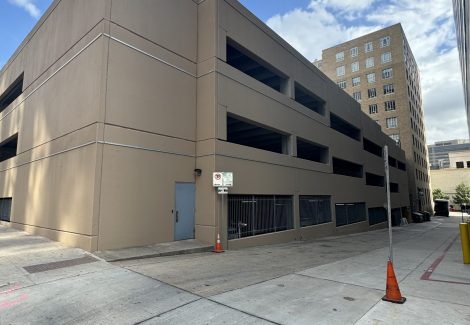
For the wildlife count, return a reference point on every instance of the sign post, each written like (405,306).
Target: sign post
(392,293)
(389,212)
(221,180)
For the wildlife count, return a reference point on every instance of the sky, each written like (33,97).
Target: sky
(313,25)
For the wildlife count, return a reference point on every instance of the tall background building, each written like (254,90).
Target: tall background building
(462,26)
(439,152)
(379,71)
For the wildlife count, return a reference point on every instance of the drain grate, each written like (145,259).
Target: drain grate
(58,265)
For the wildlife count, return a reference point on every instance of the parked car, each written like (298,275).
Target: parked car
(441,207)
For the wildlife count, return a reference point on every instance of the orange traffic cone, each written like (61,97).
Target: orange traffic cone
(392,293)
(218,246)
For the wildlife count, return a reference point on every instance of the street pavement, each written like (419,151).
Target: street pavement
(333,280)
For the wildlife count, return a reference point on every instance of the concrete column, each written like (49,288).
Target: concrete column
(288,88)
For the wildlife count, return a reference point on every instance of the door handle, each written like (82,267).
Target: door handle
(177,215)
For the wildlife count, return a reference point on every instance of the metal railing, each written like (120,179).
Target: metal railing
(251,215)
(314,210)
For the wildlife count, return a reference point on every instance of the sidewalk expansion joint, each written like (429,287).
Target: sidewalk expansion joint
(203,298)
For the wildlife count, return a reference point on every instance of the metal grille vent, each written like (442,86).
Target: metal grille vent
(58,265)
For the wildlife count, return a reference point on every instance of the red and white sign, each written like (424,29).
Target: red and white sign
(222,179)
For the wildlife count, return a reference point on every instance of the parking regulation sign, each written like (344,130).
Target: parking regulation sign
(222,179)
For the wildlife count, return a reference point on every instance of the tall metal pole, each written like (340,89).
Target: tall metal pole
(389,212)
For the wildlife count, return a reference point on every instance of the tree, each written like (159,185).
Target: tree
(462,194)
(438,194)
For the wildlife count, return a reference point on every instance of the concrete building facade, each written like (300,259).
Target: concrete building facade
(462,27)
(116,113)
(380,72)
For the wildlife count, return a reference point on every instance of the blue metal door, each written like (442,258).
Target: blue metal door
(184,210)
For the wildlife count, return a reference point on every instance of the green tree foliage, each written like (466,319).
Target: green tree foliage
(462,194)
(438,194)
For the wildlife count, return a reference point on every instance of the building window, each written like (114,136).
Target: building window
(354,52)
(395,137)
(370,62)
(391,122)
(342,84)
(368,47)
(355,66)
(339,56)
(386,57)
(387,73)
(371,92)
(459,164)
(5,209)
(373,109)
(384,41)
(356,81)
(390,105)
(468,164)
(348,213)
(370,77)
(251,215)
(388,89)
(314,210)
(340,71)
(357,96)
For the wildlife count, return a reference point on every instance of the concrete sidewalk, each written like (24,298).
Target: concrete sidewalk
(336,280)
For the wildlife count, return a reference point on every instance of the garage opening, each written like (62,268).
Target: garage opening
(344,127)
(242,59)
(311,151)
(372,147)
(253,135)
(374,180)
(308,99)
(346,168)
(8,147)
(12,93)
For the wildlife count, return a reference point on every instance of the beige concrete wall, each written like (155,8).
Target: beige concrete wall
(448,179)
(52,179)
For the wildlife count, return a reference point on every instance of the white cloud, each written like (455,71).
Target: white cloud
(430,33)
(29,6)
(342,5)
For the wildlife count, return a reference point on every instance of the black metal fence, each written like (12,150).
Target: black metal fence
(314,210)
(5,208)
(348,213)
(377,215)
(251,215)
